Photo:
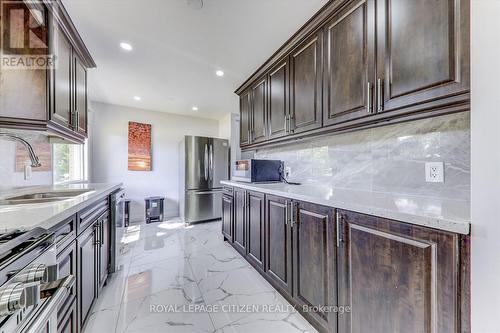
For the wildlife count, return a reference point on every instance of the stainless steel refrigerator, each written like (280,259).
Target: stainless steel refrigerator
(204,163)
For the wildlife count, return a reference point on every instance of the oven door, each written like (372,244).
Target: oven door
(45,318)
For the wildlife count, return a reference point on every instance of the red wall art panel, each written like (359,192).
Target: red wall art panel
(139,146)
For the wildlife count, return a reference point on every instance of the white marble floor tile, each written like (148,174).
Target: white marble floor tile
(168,269)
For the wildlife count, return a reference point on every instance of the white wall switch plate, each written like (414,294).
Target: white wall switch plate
(434,172)
(27,172)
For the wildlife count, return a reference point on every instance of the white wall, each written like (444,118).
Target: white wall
(110,149)
(229,128)
(485,164)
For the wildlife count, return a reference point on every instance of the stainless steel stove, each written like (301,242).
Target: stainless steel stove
(30,291)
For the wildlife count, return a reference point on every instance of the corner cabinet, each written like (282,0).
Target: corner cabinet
(51,99)
(348,272)
(363,63)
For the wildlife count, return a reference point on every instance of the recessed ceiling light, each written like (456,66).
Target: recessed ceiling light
(126,46)
(194,108)
(137,98)
(219,73)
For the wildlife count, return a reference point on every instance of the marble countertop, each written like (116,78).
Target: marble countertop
(47,215)
(443,214)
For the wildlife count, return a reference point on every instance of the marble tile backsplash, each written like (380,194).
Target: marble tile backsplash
(386,159)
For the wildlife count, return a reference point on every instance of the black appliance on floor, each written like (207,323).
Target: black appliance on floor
(154,209)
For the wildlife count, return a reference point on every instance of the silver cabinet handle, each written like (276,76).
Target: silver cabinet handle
(369,108)
(286,212)
(337,224)
(380,95)
(205,162)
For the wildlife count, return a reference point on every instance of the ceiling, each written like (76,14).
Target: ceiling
(177,47)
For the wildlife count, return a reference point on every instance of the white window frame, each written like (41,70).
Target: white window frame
(84,159)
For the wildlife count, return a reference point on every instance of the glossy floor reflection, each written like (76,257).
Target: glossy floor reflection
(178,278)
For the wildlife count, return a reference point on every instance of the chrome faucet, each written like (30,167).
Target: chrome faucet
(35,163)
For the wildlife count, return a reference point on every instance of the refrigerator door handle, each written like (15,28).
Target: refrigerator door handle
(205,162)
(211,163)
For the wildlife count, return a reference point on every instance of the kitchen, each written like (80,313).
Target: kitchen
(174,166)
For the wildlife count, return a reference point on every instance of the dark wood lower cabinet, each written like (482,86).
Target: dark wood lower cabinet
(239,235)
(314,262)
(374,275)
(69,322)
(227,217)
(397,277)
(67,262)
(278,240)
(255,228)
(87,272)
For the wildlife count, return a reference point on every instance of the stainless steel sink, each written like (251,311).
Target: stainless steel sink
(41,197)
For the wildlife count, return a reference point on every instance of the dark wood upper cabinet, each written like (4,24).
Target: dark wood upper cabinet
(227,217)
(80,96)
(423,52)
(239,234)
(305,85)
(245,118)
(62,108)
(278,97)
(349,63)
(258,131)
(255,228)
(278,241)
(397,277)
(314,260)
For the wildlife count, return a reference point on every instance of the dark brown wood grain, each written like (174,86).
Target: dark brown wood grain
(227,217)
(67,262)
(240,233)
(61,113)
(314,260)
(305,84)
(397,277)
(68,323)
(349,74)
(465,287)
(258,131)
(278,97)
(80,94)
(245,118)
(278,239)
(255,228)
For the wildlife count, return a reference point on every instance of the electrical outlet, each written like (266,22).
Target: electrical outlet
(288,172)
(434,172)
(27,172)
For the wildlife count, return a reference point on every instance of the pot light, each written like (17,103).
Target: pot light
(219,73)
(194,108)
(137,98)
(126,46)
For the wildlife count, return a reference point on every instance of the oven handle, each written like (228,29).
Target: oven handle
(40,322)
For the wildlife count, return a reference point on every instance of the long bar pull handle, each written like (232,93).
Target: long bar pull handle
(369,106)
(380,102)
(205,163)
(211,163)
(337,231)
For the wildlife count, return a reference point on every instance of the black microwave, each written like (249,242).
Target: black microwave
(255,171)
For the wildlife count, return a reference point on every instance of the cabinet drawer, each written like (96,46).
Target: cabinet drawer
(227,190)
(66,259)
(65,233)
(90,214)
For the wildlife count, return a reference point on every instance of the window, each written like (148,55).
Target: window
(70,162)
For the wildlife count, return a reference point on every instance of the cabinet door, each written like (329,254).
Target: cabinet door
(423,51)
(305,85)
(349,63)
(314,253)
(80,93)
(278,238)
(227,217)
(396,277)
(104,244)
(87,272)
(258,132)
(239,234)
(255,228)
(68,322)
(278,91)
(67,262)
(245,118)
(61,112)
